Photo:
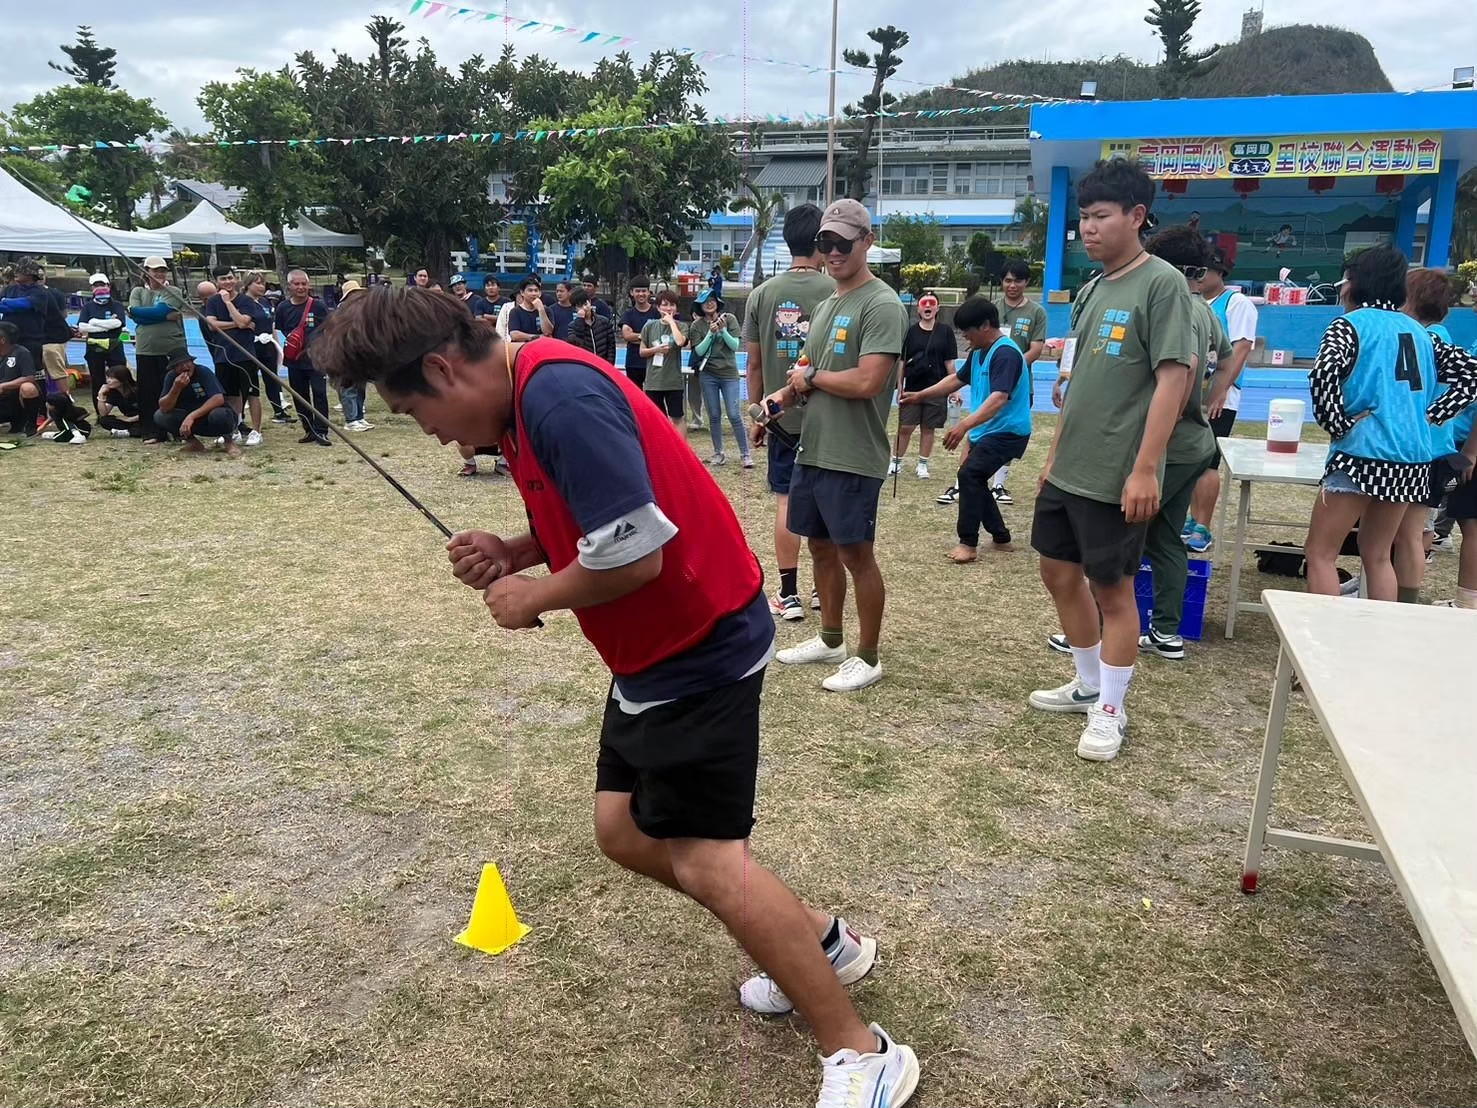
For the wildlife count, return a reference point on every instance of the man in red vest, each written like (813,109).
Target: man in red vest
(645,549)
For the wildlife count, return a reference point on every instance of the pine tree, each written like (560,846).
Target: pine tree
(857,166)
(91,64)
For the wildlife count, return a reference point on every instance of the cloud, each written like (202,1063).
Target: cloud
(168,53)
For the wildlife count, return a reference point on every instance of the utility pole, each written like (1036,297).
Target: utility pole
(831,114)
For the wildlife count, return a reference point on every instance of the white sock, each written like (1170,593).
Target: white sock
(923,458)
(998,481)
(1466,598)
(1088,661)
(1114,687)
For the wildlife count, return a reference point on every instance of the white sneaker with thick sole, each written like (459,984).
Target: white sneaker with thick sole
(1074,696)
(254,439)
(885,1078)
(853,676)
(852,961)
(893,466)
(811,652)
(1102,738)
(922,470)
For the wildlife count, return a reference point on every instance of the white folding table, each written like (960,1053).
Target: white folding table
(1371,671)
(1246,462)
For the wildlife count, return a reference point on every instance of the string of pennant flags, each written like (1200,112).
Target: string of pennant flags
(529,134)
(618,40)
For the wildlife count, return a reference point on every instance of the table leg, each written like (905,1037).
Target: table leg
(1238,554)
(1225,496)
(1261,805)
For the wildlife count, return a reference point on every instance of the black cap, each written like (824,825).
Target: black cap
(179,357)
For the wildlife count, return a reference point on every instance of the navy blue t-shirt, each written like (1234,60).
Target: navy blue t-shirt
(525,320)
(581,429)
(235,344)
(561,317)
(636,319)
(203,385)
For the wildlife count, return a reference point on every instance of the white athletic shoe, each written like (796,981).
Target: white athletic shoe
(119,433)
(893,466)
(1103,736)
(365,425)
(811,652)
(922,469)
(853,676)
(1074,696)
(254,439)
(853,961)
(883,1079)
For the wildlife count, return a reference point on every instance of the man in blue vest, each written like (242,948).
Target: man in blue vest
(1223,390)
(999,428)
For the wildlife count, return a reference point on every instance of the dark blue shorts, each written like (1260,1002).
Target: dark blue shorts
(829,504)
(781,466)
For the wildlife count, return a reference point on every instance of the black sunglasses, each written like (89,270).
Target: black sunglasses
(834,244)
(1195,272)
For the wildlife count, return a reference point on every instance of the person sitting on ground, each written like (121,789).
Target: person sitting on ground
(66,421)
(21,384)
(193,405)
(118,404)
(998,430)
(590,330)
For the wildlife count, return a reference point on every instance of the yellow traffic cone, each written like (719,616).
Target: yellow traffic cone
(494,925)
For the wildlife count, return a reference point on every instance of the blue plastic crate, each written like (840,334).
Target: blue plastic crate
(1192,618)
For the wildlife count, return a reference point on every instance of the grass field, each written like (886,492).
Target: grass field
(256,745)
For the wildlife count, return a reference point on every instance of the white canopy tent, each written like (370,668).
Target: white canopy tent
(308,233)
(207,225)
(30,224)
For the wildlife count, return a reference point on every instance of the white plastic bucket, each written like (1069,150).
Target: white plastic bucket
(1284,426)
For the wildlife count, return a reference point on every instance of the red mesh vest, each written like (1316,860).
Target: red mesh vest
(708,570)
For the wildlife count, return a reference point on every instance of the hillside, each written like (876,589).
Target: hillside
(1282,61)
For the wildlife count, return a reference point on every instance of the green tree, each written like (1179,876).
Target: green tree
(279,180)
(1173,20)
(636,193)
(766,208)
(856,166)
(1030,216)
(918,236)
(82,115)
(91,64)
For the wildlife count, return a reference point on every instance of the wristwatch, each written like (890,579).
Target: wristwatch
(810,372)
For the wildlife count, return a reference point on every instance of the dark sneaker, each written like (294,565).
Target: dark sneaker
(1002,495)
(949,496)
(1170,647)
(1059,643)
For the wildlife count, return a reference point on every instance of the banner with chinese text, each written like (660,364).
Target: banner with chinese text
(1305,156)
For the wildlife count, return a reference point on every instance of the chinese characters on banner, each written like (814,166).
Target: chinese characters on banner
(1309,156)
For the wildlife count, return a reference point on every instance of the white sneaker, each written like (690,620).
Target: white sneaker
(922,469)
(119,433)
(893,466)
(76,438)
(254,439)
(1074,696)
(1103,735)
(811,652)
(853,675)
(853,961)
(884,1079)
(48,436)
(365,425)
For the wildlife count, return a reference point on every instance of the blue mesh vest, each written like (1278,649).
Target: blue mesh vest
(1015,417)
(1395,376)
(1218,306)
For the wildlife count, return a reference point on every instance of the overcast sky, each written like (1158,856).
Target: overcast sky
(167,51)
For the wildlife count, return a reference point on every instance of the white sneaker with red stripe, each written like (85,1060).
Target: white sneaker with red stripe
(853,959)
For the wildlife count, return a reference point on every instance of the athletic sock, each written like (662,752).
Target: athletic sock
(832,940)
(1466,598)
(1404,595)
(789,583)
(868,656)
(832,636)
(1115,686)
(1088,660)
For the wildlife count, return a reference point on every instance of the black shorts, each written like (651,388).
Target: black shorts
(690,765)
(829,504)
(239,379)
(669,401)
(931,414)
(1089,533)
(105,356)
(1461,502)
(1220,427)
(781,466)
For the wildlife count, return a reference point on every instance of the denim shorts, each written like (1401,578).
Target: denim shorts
(1336,480)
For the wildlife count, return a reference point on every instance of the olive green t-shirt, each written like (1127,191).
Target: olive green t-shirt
(155,339)
(1121,330)
(1023,324)
(721,362)
(851,435)
(1192,440)
(777,319)
(663,371)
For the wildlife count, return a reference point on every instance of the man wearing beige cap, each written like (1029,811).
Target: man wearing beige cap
(845,382)
(157,310)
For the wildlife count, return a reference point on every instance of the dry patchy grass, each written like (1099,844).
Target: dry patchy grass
(256,746)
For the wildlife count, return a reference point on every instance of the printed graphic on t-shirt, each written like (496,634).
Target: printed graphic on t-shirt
(791,326)
(1111,332)
(838,333)
(1022,328)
